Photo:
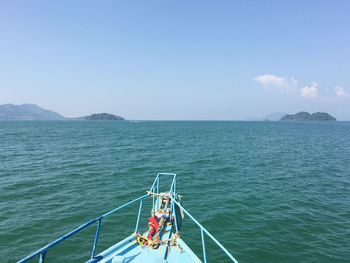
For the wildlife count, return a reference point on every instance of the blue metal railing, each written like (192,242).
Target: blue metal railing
(173,196)
(155,189)
(42,251)
(203,230)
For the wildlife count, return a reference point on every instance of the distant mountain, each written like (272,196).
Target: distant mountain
(276,116)
(34,112)
(305,116)
(27,112)
(104,117)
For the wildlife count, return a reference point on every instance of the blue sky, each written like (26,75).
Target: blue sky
(177,60)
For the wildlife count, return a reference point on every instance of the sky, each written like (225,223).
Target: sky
(176,60)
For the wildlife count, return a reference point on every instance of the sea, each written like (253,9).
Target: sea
(268,191)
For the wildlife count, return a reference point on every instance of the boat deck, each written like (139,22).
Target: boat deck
(128,250)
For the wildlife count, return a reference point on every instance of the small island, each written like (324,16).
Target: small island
(103,117)
(305,116)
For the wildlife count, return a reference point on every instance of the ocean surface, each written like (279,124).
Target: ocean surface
(268,191)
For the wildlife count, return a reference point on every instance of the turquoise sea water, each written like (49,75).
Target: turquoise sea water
(269,191)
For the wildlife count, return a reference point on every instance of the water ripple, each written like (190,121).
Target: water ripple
(272,192)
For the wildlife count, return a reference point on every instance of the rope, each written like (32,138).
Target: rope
(155,194)
(172,241)
(156,242)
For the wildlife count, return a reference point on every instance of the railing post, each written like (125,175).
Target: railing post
(158,186)
(203,245)
(153,202)
(157,190)
(96,238)
(138,216)
(42,257)
(204,230)
(42,251)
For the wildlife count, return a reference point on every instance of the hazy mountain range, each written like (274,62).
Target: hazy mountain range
(276,116)
(27,112)
(34,112)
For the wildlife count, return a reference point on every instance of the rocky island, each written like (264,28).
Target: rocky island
(103,117)
(305,116)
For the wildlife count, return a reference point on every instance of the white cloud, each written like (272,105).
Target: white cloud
(289,85)
(309,92)
(274,82)
(340,92)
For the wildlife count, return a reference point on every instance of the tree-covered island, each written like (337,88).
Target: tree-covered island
(103,117)
(305,116)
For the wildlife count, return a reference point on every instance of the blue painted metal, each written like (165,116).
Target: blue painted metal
(154,182)
(64,237)
(126,245)
(78,229)
(138,217)
(96,238)
(205,231)
(203,246)
(131,252)
(157,191)
(153,203)
(42,257)
(172,185)
(158,185)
